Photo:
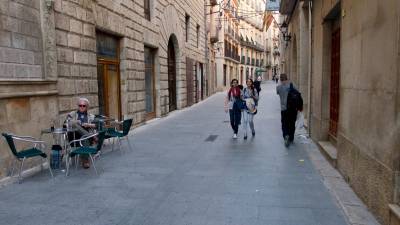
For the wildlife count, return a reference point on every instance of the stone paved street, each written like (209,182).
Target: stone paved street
(174,177)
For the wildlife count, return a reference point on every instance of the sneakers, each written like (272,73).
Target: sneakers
(234,136)
(253,133)
(245,137)
(287,142)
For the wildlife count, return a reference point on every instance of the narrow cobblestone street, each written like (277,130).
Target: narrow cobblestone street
(174,177)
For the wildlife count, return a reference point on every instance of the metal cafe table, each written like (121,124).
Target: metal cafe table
(60,137)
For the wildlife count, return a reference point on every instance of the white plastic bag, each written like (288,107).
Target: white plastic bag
(300,129)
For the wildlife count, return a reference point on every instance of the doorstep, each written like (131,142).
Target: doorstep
(394,214)
(329,151)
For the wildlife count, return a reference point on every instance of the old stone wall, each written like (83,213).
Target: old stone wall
(368,133)
(20,40)
(368,116)
(48,58)
(28,101)
(76,24)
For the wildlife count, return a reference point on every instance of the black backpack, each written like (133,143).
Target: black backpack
(294,99)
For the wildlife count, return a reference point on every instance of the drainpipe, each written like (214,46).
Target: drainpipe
(309,66)
(206,68)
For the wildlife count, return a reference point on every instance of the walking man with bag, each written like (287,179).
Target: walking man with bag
(291,102)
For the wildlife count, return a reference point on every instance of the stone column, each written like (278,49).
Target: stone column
(303,56)
(48,39)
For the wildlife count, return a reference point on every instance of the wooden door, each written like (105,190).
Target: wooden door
(241,75)
(224,73)
(171,76)
(109,89)
(196,83)
(149,75)
(189,81)
(108,75)
(335,83)
(201,82)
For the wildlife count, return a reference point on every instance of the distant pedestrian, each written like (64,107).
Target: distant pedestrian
(288,114)
(233,104)
(276,78)
(250,95)
(257,84)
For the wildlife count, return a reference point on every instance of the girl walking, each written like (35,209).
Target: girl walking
(250,95)
(232,103)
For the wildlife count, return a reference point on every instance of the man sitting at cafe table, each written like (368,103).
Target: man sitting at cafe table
(82,122)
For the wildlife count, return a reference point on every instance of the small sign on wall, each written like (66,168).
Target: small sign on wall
(272,5)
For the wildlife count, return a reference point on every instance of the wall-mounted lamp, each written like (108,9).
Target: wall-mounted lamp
(284,28)
(287,37)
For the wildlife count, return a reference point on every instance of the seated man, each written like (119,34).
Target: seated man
(81,120)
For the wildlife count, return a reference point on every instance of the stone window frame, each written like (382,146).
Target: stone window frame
(197,36)
(187,27)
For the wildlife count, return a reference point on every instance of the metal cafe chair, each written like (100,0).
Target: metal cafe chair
(24,154)
(114,133)
(85,150)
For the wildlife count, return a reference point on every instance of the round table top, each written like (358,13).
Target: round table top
(58,130)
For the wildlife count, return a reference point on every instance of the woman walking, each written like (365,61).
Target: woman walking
(232,103)
(250,95)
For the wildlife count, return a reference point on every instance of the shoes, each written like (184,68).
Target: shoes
(85,164)
(245,137)
(234,136)
(287,142)
(253,133)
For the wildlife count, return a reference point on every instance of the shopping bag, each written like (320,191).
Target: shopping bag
(300,129)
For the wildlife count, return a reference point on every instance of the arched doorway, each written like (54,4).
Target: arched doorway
(171,75)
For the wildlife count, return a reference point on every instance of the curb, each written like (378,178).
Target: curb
(355,211)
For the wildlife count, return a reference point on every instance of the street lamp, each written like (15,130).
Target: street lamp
(287,37)
(284,30)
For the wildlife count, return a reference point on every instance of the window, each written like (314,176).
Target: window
(147,9)
(187,26)
(197,35)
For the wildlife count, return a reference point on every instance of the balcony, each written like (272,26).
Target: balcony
(214,39)
(276,52)
(213,2)
(214,34)
(252,44)
(230,33)
(232,55)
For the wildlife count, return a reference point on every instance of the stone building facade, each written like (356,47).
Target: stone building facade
(135,59)
(227,56)
(237,56)
(252,36)
(353,76)
(273,47)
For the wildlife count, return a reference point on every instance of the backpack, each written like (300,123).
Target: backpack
(294,99)
(257,86)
